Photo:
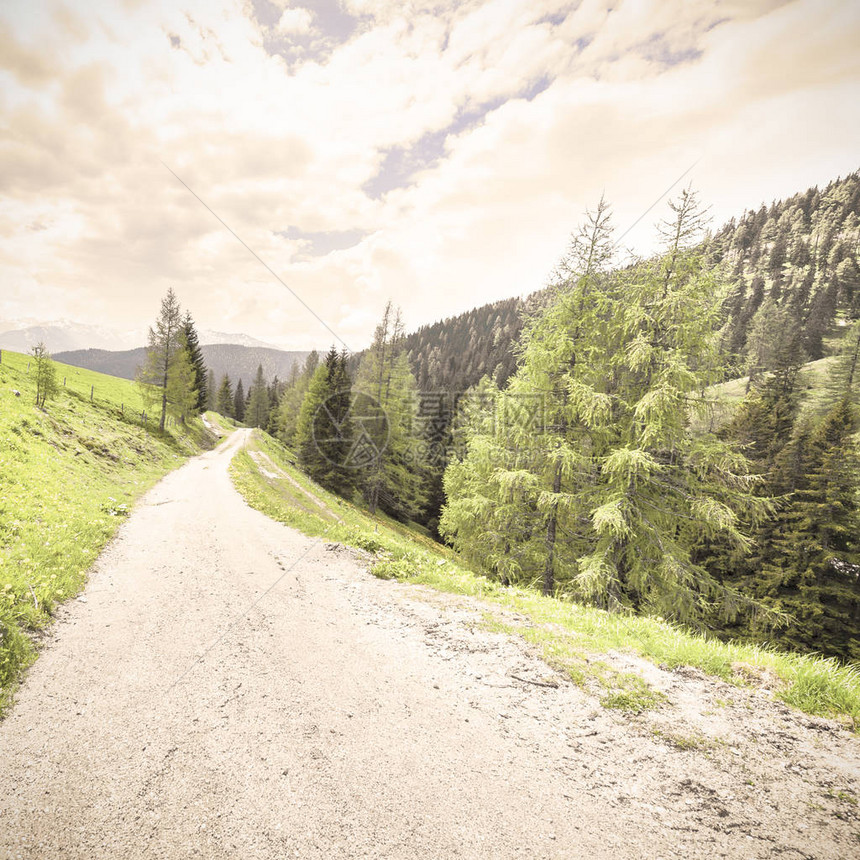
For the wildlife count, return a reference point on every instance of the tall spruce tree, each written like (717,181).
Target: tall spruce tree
(225,404)
(324,434)
(239,402)
(292,398)
(195,355)
(811,569)
(211,390)
(257,413)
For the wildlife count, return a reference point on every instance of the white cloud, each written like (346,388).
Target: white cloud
(295,22)
(762,93)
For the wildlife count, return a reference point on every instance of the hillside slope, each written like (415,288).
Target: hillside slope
(68,476)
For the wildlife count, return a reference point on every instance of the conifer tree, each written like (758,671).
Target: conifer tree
(257,414)
(239,402)
(195,354)
(812,568)
(392,476)
(292,398)
(844,377)
(224,404)
(211,390)
(324,433)
(623,360)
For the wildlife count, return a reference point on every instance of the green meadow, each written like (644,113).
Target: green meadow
(68,476)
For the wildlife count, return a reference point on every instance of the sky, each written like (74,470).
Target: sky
(438,154)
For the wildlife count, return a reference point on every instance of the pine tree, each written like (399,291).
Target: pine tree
(163,378)
(239,402)
(195,355)
(257,414)
(224,404)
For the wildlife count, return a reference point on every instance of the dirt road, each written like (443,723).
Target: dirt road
(230,688)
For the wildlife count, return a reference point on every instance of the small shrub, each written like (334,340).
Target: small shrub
(401,568)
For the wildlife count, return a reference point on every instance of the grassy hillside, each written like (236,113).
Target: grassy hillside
(571,637)
(68,475)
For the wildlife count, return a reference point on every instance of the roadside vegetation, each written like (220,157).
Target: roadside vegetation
(69,473)
(571,636)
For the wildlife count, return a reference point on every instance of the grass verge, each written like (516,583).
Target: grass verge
(69,474)
(570,636)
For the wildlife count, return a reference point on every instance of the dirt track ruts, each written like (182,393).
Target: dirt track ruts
(342,716)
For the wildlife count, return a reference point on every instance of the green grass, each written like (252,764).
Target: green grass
(570,636)
(68,476)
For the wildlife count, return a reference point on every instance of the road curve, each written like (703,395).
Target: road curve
(229,688)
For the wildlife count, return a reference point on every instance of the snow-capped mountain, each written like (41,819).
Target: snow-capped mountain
(207,337)
(62,335)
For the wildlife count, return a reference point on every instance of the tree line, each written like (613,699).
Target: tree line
(354,424)
(576,441)
(602,468)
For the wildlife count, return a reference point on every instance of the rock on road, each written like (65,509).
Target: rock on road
(231,688)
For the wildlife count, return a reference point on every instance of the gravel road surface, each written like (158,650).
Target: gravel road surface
(229,688)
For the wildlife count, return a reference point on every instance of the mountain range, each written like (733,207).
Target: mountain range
(65,336)
(240,362)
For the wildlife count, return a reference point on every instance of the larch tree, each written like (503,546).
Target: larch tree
(182,396)
(618,468)
(163,378)
(523,469)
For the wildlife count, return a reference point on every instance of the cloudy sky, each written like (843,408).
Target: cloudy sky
(435,153)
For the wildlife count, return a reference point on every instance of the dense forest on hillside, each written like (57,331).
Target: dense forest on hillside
(578,441)
(801,252)
(453,354)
